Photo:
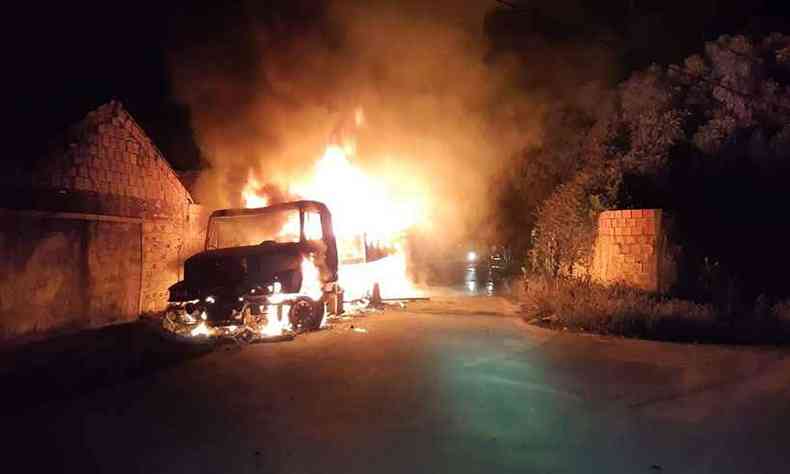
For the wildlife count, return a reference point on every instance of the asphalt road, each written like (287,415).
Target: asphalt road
(457,385)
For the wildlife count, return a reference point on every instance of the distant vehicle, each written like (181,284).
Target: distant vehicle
(496,257)
(253,270)
(499,258)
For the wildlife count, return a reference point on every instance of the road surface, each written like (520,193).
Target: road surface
(457,385)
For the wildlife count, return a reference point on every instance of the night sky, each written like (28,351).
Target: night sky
(69,57)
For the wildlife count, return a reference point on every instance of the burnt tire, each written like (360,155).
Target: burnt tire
(306,314)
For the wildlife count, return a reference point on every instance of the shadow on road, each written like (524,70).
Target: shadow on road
(70,365)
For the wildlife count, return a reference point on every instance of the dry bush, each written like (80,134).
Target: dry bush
(583,305)
(566,225)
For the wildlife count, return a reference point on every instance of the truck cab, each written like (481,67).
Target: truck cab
(279,261)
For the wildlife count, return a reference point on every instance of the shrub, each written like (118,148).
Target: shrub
(583,305)
(567,223)
(578,304)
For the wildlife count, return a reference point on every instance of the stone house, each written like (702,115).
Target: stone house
(95,233)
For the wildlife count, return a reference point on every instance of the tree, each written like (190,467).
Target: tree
(708,141)
(567,222)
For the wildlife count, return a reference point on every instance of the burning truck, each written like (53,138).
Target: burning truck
(280,268)
(265,272)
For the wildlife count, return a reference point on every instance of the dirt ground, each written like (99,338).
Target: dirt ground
(457,384)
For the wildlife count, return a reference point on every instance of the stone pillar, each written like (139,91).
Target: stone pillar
(631,249)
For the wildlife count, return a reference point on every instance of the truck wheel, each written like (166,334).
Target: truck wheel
(306,314)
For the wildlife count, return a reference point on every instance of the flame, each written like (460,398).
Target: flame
(276,323)
(359,116)
(365,208)
(250,193)
(202,329)
(311,281)
(391,273)
(359,203)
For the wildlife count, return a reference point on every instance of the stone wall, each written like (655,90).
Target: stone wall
(167,244)
(195,234)
(632,248)
(102,169)
(162,244)
(108,159)
(62,271)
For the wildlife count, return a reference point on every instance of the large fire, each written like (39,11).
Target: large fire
(274,323)
(250,195)
(370,218)
(366,212)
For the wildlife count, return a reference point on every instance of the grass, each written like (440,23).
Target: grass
(618,310)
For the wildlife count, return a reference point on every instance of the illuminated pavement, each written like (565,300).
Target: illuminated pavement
(470,279)
(460,385)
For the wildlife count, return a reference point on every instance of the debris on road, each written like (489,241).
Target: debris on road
(244,335)
(240,335)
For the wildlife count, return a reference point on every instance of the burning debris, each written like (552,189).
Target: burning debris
(264,329)
(274,327)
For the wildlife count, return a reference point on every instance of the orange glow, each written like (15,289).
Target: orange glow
(202,329)
(389,272)
(360,204)
(276,322)
(359,116)
(311,281)
(364,207)
(250,193)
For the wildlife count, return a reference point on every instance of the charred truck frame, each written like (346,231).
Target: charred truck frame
(251,275)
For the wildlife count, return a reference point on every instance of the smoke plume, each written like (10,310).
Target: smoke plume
(269,86)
